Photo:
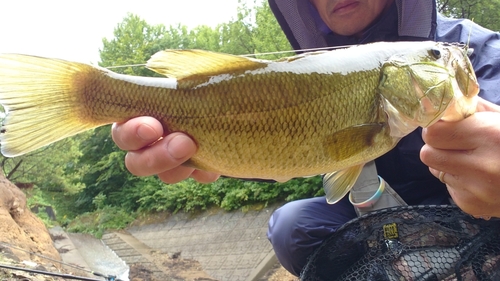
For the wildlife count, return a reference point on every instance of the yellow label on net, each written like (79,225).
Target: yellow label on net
(391,231)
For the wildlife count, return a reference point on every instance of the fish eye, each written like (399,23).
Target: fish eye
(436,53)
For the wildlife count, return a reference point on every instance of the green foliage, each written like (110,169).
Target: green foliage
(62,203)
(255,31)
(187,195)
(51,168)
(482,12)
(36,199)
(97,222)
(135,41)
(99,201)
(226,193)
(48,222)
(105,169)
(268,36)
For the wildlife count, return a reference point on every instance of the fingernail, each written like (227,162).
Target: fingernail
(147,133)
(180,146)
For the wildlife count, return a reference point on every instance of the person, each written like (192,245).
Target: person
(464,155)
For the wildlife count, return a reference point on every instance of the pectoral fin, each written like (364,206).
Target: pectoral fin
(338,183)
(350,141)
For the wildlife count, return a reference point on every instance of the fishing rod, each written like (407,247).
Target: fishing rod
(66,276)
(107,277)
(45,257)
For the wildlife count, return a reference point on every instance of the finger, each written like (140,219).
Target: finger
(476,161)
(450,135)
(204,177)
(484,105)
(136,133)
(164,155)
(176,174)
(436,158)
(466,134)
(471,204)
(443,176)
(465,199)
(468,187)
(449,161)
(181,173)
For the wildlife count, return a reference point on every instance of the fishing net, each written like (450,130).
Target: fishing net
(410,243)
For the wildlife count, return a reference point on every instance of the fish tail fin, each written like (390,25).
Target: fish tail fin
(41,102)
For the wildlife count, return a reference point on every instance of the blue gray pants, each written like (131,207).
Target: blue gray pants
(299,227)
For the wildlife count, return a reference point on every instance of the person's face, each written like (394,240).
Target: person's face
(350,17)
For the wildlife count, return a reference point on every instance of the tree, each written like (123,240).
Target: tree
(134,43)
(51,168)
(483,12)
(255,31)
(268,36)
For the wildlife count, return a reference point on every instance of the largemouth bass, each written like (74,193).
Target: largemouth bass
(316,113)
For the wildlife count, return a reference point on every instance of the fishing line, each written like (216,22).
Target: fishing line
(44,257)
(126,65)
(301,50)
(108,277)
(248,55)
(66,276)
(470,33)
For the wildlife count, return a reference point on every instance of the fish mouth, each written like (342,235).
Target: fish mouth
(345,7)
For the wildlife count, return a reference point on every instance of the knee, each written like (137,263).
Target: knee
(282,225)
(299,227)
(283,221)
(309,219)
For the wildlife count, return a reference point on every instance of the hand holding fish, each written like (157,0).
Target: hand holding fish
(467,152)
(148,154)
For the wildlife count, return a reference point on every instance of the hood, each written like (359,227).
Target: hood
(302,25)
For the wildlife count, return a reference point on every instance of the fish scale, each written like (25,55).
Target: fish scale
(310,119)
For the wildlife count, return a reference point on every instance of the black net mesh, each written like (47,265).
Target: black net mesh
(410,243)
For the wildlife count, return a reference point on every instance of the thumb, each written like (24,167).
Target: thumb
(484,105)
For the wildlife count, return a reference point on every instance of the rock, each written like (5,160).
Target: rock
(20,228)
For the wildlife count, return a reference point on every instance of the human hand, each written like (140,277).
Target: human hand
(468,152)
(149,155)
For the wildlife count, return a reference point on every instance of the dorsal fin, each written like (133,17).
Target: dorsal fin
(199,64)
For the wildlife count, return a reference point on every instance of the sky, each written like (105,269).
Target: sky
(73,30)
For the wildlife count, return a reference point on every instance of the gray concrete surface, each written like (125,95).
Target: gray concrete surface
(89,254)
(229,246)
(134,252)
(98,256)
(69,253)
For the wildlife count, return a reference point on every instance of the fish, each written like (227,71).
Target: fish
(319,113)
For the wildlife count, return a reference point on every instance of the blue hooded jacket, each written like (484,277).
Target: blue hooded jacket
(406,20)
